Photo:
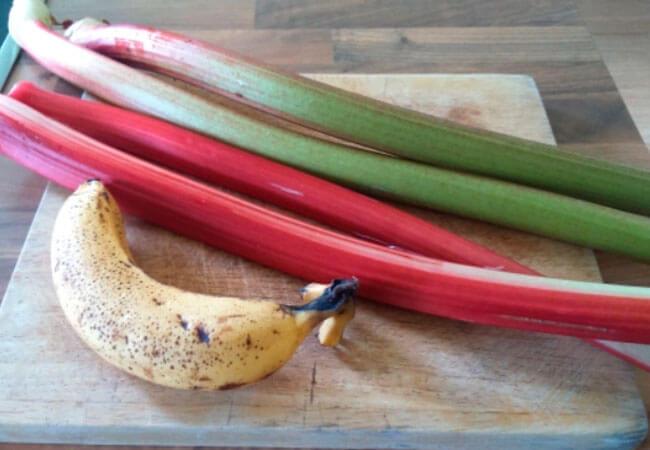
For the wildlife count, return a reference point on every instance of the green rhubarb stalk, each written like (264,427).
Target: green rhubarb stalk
(370,122)
(471,196)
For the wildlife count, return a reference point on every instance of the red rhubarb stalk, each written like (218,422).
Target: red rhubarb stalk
(395,277)
(219,163)
(29,23)
(227,166)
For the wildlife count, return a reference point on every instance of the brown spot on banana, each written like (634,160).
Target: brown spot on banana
(227,318)
(189,340)
(148,372)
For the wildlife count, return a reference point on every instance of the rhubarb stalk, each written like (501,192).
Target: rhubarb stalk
(226,166)
(192,154)
(395,277)
(471,196)
(370,122)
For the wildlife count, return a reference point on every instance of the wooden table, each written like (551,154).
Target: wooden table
(548,40)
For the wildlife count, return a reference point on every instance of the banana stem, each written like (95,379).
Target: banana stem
(333,299)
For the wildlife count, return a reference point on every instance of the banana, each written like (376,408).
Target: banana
(161,333)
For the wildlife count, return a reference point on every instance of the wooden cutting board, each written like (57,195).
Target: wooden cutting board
(399,380)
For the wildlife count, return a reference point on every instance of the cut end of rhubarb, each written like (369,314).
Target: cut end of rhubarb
(21,90)
(84,24)
(27,11)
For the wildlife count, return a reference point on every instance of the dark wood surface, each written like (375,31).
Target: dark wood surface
(550,40)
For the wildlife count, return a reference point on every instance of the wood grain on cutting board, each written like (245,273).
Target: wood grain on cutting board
(400,379)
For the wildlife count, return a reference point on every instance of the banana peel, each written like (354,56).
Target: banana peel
(163,334)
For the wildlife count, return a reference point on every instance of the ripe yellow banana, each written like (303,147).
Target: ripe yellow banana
(160,333)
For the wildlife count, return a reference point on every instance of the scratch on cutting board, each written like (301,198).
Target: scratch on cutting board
(313,384)
(230,404)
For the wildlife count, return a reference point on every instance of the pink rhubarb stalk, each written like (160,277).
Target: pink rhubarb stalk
(29,24)
(187,152)
(193,154)
(395,277)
